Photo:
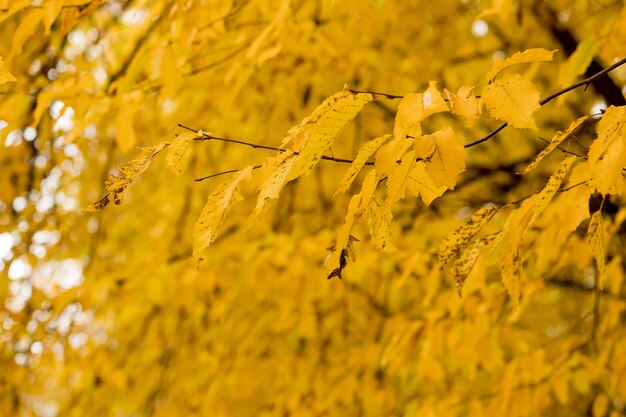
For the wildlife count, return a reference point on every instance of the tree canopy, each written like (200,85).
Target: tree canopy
(312,208)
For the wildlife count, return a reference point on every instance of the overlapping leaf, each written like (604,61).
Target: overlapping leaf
(206,228)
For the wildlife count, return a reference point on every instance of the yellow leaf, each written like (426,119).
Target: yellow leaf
(513,99)
(125,137)
(397,181)
(414,108)
(595,234)
(465,104)
(448,158)
(51,10)
(525,57)
(357,206)
(600,405)
(177,150)
(363,155)
(5,75)
(98,205)
(607,174)
(560,386)
(316,133)
(278,168)
(25,30)
(170,73)
(609,129)
(206,228)
(118,183)
(519,222)
(389,154)
(420,183)
(578,62)
(457,240)
(380,227)
(555,142)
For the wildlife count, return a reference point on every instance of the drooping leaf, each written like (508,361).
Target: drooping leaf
(578,62)
(607,153)
(307,141)
(457,240)
(380,227)
(467,259)
(5,75)
(420,183)
(555,142)
(206,228)
(595,235)
(316,133)
(526,57)
(389,154)
(357,206)
(519,222)
(363,155)
(397,181)
(98,205)
(465,104)
(513,99)
(278,168)
(607,174)
(177,150)
(448,158)
(416,107)
(609,129)
(116,184)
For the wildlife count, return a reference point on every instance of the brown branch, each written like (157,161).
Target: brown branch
(551,97)
(206,137)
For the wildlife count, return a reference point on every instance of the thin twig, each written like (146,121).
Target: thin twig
(585,82)
(230,171)
(376,93)
(562,148)
(206,136)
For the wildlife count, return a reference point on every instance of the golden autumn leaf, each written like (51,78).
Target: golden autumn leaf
(595,234)
(578,62)
(416,107)
(98,205)
(467,258)
(5,75)
(465,104)
(359,203)
(457,240)
(555,142)
(420,183)
(116,184)
(610,128)
(25,30)
(207,226)
(607,174)
(448,158)
(177,149)
(398,178)
(277,169)
(389,154)
(526,57)
(380,226)
(316,133)
(363,155)
(519,222)
(513,99)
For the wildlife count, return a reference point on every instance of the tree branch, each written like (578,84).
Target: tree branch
(551,97)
